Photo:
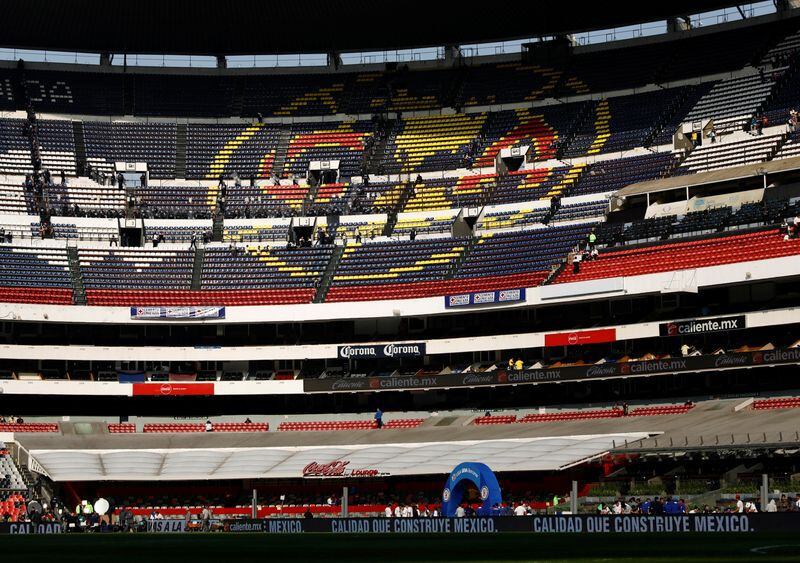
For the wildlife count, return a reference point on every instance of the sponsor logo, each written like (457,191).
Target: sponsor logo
(656,366)
(478,379)
(446,495)
(533,376)
(789,355)
(413,349)
(510,295)
(601,370)
(348,384)
(721,324)
(572,338)
(337,469)
(484,492)
(729,361)
(487,297)
(458,300)
(165,389)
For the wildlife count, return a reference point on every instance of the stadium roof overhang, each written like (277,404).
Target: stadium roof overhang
(204,27)
(420,458)
(747,173)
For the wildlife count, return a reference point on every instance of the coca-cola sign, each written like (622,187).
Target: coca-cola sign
(337,469)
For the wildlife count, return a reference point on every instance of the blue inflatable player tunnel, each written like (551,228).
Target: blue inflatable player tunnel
(479,475)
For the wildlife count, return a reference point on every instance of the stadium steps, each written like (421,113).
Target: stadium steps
(378,150)
(78,288)
(80,147)
(180,151)
(461,258)
(391,220)
(327,276)
(585,114)
(218,226)
(280,152)
(310,196)
(197,269)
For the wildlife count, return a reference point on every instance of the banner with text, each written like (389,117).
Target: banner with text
(368,351)
(702,326)
(557,524)
(566,373)
(485,297)
(178,313)
(580,337)
(172,389)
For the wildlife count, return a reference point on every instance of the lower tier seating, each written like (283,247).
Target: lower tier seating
(170,428)
(419,289)
(29,427)
(332,425)
(165,298)
(745,247)
(778,403)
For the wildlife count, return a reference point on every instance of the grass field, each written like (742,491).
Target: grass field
(234,548)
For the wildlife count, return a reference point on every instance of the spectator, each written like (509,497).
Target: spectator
(379,418)
(518,364)
(209,426)
(576,262)
(205,517)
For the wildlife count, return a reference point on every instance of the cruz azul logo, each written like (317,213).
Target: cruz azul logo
(336,469)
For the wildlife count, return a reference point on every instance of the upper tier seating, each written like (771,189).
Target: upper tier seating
(185,201)
(437,142)
(265,199)
(214,150)
(743,149)
(256,231)
(744,247)
(92,199)
(580,211)
(734,97)
(56,146)
(494,220)
(625,122)
(120,141)
(439,223)
(611,175)
(539,183)
(790,148)
(325,142)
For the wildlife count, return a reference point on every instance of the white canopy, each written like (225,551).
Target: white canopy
(515,454)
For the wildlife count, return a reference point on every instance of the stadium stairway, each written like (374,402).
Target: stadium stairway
(280,152)
(391,220)
(180,150)
(218,226)
(78,288)
(80,147)
(327,276)
(197,269)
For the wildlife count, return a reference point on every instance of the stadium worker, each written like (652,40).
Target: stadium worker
(379,418)
(518,365)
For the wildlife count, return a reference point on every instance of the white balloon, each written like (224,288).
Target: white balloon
(101,506)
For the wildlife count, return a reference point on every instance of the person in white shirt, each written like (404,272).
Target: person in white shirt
(771,506)
(520,510)
(617,507)
(408,511)
(388,511)
(460,512)
(398,511)
(739,505)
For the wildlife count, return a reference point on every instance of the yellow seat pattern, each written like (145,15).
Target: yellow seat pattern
(602,127)
(423,137)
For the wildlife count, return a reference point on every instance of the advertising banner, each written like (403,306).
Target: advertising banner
(30,528)
(402,350)
(183,313)
(485,297)
(580,337)
(166,526)
(702,326)
(556,524)
(566,373)
(172,389)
